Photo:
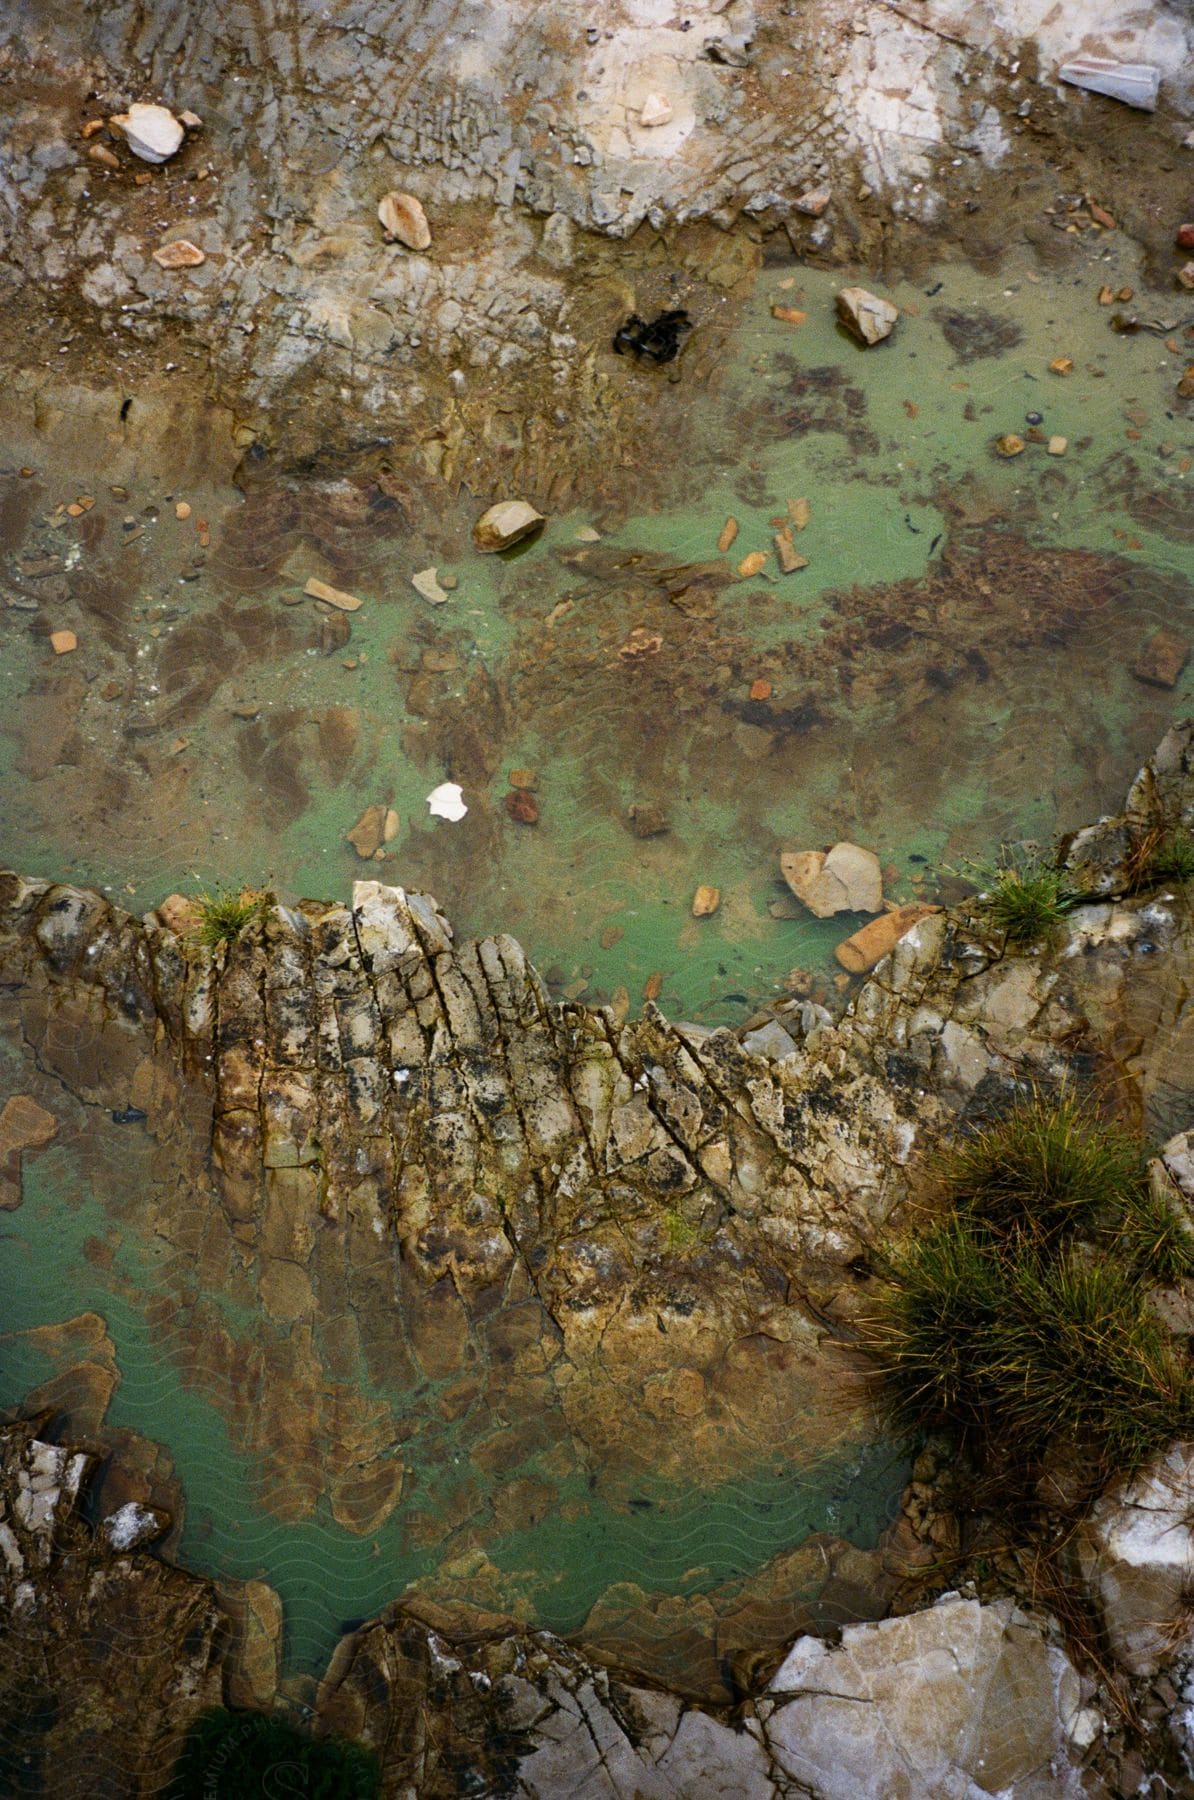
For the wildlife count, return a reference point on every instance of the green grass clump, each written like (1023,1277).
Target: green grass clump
(1048,1167)
(246,1756)
(1173,857)
(223,916)
(1027,903)
(1155,1238)
(1021,1320)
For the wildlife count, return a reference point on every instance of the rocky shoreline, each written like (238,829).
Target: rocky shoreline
(347,1077)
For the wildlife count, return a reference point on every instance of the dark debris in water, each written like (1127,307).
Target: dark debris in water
(659,340)
(974,335)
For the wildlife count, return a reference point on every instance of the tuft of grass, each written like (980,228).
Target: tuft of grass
(224,915)
(931,1335)
(1005,1351)
(233,1755)
(1155,1238)
(1081,1357)
(1173,857)
(1020,1322)
(1050,1166)
(1027,903)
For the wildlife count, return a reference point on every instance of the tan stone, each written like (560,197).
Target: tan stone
(870,945)
(403,220)
(369,833)
(179,913)
(179,254)
(790,558)
(865,315)
(729,532)
(505,523)
(752,564)
(63,642)
(705,901)
(844,879)
(1162,659)
(319,590)
(1009,444)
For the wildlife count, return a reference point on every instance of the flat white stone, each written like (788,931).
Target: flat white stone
(446,801)
(151,132)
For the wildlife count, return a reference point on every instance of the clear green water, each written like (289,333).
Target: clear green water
(595,1532)
(934,695)
(896,473)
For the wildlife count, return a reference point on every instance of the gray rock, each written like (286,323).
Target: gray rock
(1136,1552)
(770,1040)
(558,243)
(960,1700)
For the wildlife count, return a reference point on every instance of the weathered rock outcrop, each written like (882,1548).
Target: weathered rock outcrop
(959,1699)
(109,1652)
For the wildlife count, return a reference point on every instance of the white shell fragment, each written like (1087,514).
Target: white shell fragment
(1136,84)
(403,218)
(447,801)
(151,132)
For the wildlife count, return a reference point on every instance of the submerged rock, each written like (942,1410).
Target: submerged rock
(866,315)
(505,523)
(656,109)
(844,879)
(447,801)
(1162,659)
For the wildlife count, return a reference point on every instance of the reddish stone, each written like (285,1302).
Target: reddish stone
(1185,237)
(522,806)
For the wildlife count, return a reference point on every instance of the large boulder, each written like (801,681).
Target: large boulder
(960,1700)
